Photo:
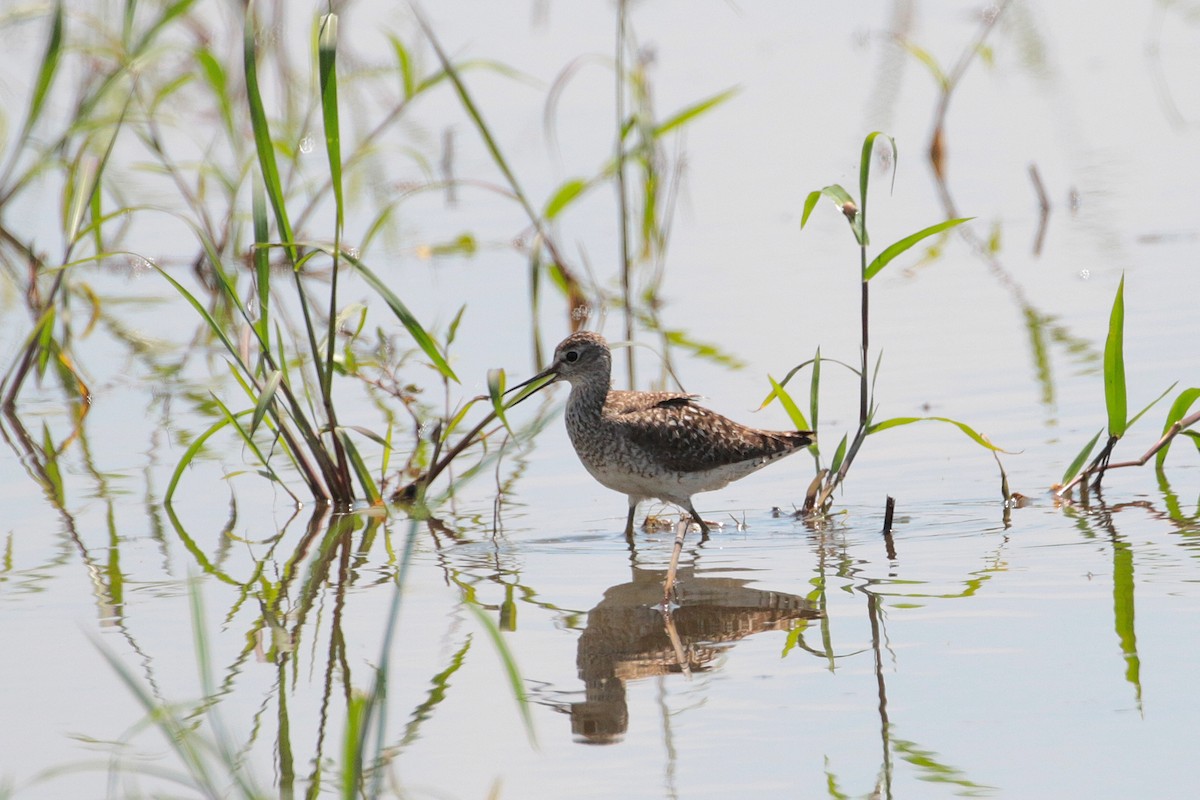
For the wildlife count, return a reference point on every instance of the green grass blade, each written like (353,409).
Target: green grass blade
(564,196)
(510,665)
(408,81)
(495,384)
(45,76)
(370,489)
(839,196)
(199,308)
(1114,366)
(1077,464)
(1178,410)
(884,258)
(838,456)
(217,79)
(265,398)
(327,67)
(686,115)
(789,405)
(864,172)
(420,336)
(971,433)
(262,135)
(83,180)
(262,262)
(1150,405)
(189,455)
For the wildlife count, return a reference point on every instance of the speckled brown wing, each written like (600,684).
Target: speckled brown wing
(688,437)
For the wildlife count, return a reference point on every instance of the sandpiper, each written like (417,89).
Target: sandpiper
(655,444)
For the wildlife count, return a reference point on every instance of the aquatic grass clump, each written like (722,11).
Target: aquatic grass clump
(819,496)
(1116,404)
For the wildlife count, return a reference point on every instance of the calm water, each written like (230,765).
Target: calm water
(1047,652)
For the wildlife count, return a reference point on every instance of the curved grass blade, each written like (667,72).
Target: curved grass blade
(420,336)
(495,384)
(265,398)
(1150,405)
(839,196)
(1178,409)
(789,405)
(186,460)
(685,115)
(858,222)
(1115,399)
(370,489)
(510,665)
(976,437)
(838,456)
(1077,464)
(564,196)
(41,87)
(893,250)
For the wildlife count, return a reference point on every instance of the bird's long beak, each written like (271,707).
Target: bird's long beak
(538,382)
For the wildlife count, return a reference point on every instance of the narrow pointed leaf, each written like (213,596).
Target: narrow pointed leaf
(971,433)
(1115,399)
(789,405)
(264,400)
(884,258)
(691,112)
(1177,412)
(422,338)
(1078,463)
(565,195)
(495,384)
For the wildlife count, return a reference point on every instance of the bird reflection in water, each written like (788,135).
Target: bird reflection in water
(629,637)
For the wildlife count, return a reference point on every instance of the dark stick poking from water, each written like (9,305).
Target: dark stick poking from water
(888,512)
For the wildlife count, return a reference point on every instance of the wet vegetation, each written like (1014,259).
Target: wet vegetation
(178,143)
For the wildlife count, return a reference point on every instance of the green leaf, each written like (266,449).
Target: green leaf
(327,66)
(884,258)
(189,455)
(691,112)
(928,60)
(843,200)
(789,405)
(46,72)
(515,682)
(495,384)
(864,173)
(264,400)
(562,198)
(408,80)
(1178,411)
(1077,464)
(262,134)
(962,426)
(1150,405)
(423,339)
(1114,366)
(838,455)
(360,468)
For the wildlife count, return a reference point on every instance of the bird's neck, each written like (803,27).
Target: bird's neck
(587,399)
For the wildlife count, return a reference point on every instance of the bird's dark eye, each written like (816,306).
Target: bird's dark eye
(571,356)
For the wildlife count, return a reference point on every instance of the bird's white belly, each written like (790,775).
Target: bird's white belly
(671,487)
